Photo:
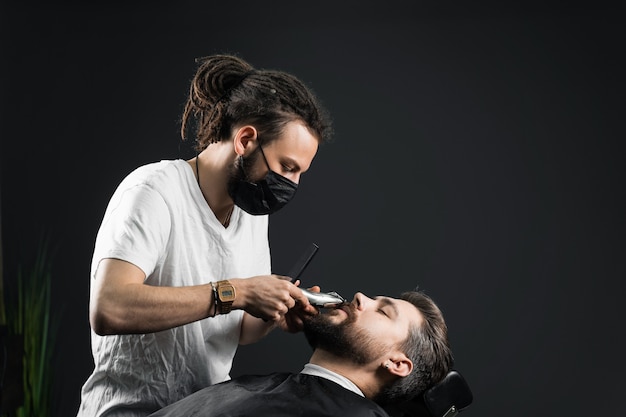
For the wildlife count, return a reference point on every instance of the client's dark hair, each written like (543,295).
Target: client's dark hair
(427,346)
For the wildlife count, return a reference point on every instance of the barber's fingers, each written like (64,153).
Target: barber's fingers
(292,323)
(278,313)
(294,292)
(272,296)
(283,277)
(315,288)
(290,303)
(298,295)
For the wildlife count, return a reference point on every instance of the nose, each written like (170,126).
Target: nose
(295,177)
(361,301)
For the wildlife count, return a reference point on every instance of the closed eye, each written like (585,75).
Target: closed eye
(386,302)
(288,168)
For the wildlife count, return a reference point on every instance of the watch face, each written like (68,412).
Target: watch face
(226,292)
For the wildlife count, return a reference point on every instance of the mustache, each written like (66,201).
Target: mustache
(350,307)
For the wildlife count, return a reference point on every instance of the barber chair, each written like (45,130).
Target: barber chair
(446,399)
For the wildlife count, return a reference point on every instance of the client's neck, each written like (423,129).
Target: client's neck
(363,376)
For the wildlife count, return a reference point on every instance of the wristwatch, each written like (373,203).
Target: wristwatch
(225,296)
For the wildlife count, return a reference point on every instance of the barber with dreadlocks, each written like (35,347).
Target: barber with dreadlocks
(181,271)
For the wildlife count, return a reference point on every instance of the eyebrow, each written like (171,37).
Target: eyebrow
(385,301)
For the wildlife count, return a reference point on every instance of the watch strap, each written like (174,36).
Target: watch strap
(214,288)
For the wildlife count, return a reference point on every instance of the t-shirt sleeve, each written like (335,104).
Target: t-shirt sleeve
(135,228)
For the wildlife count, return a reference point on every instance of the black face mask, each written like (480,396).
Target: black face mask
(265,196)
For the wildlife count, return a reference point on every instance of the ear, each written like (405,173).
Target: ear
(245,140)
(398,365)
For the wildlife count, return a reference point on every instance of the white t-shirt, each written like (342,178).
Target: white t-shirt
(158,220)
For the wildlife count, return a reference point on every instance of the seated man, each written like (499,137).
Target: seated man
(367,353)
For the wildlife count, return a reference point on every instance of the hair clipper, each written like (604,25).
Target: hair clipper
(323,299)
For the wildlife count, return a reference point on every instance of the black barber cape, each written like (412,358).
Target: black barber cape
(275,395)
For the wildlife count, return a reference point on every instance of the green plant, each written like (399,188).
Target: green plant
(30,316)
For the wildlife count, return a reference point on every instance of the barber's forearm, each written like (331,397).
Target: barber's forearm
(140,308)
(254,329)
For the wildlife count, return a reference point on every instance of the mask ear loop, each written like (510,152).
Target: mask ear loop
(241,163)
(264,158)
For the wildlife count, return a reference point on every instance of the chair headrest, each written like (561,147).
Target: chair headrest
(446,399)
(453,390)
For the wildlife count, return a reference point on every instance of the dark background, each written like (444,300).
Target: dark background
(478,154)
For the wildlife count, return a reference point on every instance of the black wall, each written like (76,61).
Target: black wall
(478,154)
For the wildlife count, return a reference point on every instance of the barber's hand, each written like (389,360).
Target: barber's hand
(292,322)
(269,297)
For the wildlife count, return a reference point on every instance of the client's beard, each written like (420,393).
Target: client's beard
(344,340)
